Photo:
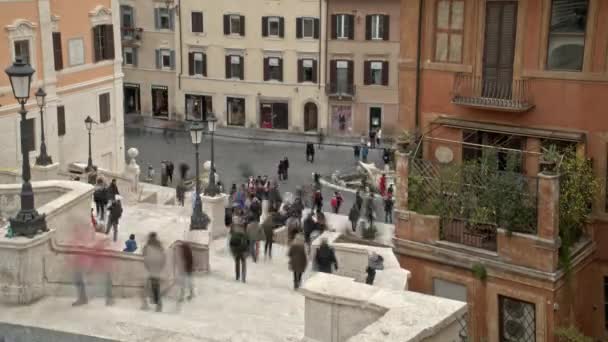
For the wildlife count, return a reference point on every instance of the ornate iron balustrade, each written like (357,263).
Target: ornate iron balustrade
(131,34)
(475,91)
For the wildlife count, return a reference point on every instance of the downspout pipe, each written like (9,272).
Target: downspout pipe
(325,63)
(418,67)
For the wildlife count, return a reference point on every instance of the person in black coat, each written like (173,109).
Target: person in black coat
(285,168)
(170,169)
(115,214)
(357,152)
(310,152)
(326,257)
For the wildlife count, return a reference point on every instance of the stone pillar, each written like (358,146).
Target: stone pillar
(532,160)
(215,209)
(47,172)
(133,170)
(401,180)
(548,206)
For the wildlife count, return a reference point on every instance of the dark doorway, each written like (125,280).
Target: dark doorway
(160,101)
(274,115)
(375,118)
(310,117)
(499,48)
(197,107)
(132,100)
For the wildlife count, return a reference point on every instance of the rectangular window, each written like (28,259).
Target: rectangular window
(57,51)
(22,50)
(376,73)
(567,35)
(129,56)
(517,320)
(235,24)
(234,67)
(471,151)
(308,27)
(274,115)
(308,70)
(197,22)
(273,26)
(164,18)
(199,63)
(449,28)
(343,26)
(30,135)
(197,107)
(60,121)
(236,111)
(166,58)
(377,27)
(104,107)
(273,69)
(103,42)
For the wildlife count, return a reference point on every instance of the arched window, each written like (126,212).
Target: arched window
(310,117)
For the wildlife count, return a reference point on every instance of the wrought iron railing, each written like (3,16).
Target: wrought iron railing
(337,89)
(131,33)
(475,91)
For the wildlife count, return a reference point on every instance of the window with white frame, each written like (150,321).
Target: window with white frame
(164,16)
(273,26)
(129,55)
(308,27)
(342,26)
(22,50)
(274,69)
(234,67)
(198,64)
(165,58)
(376,73)
(377,27)
(235,24)
(308,70)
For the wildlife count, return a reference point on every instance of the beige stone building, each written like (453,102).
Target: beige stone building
(362,65)
(72,45)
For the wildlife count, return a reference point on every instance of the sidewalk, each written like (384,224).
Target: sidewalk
(149,123)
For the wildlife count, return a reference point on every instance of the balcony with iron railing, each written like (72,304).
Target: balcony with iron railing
(341,91)
(506,96)
(131,35)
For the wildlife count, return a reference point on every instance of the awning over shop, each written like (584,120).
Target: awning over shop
(542,133)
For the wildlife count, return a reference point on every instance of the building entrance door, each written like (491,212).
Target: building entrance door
(375,118)
(160,101)
(132,101)
(310,117)
(499,49)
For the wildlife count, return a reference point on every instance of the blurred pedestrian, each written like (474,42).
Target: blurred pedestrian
(388,209)
(357,152)
(268,228)
(151,174)
(170,169)
(285,168)
(100,197)
(154,262)
(308,227)
(297,260)
(375,262)
(255,234)
(186,263)
(310,152)
(364,152)
(91,261)
(180,192)
(379,137)
(353,217)
(92,177)
(115,215)
(164,178)
(386,156)
(382,185)
(113,190)
(317,200)
(390,190)
(372,138)
(326,258)
(239,247)
(358,200)
(280,170)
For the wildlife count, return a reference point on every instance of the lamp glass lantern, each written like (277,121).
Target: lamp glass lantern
(88,122)
(20,76)
(196,133)
(40,97)
(211,122)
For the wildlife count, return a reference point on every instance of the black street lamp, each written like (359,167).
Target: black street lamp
(43,159)
(198,220)
(88,122)
(211,187)
(27,222)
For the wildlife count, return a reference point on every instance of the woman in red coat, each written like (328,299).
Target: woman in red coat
(382,185)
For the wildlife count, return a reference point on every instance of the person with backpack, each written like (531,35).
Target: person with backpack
(100,198)
(115,215)
(239,247)
(326,257)
(297,260)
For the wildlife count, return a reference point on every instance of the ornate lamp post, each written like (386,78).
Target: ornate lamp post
(198,220)
(43,159)
(27,222)
(88,123)
(211,187)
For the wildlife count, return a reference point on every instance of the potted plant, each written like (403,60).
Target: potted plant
(550,160)
(403,141)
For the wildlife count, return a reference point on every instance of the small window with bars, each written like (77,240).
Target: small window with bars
(517,320)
